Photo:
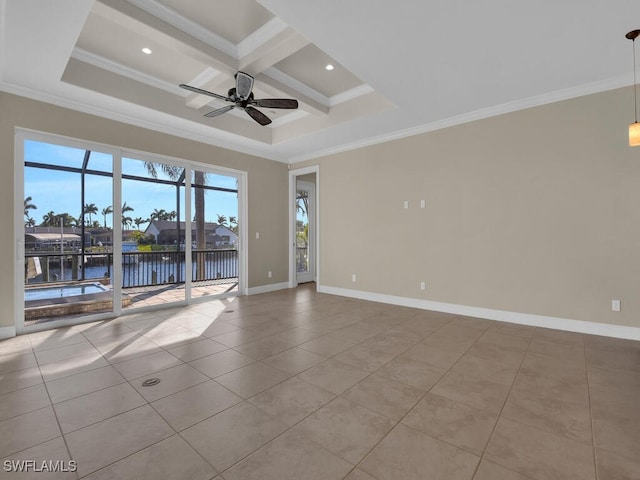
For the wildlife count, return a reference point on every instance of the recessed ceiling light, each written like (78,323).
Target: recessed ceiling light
(329,67)
(146,51)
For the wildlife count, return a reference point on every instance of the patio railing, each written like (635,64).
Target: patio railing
(139,269)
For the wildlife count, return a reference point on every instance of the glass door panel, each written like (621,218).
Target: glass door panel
(153,233)
(214,236)
(68,260)
(305,271)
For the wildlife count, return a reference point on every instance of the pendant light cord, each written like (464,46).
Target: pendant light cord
(635,84)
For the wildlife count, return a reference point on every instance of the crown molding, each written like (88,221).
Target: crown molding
(535,101)
(119,69)
(189,27)
(172,126)
(350,94)
(290,117)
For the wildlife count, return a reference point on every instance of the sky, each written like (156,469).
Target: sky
(60,192)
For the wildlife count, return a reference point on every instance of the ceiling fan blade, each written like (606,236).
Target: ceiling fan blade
(219,111)
(276,103)
(244,85)
(205,92)
(258,116)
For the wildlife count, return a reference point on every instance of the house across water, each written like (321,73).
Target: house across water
(168,232)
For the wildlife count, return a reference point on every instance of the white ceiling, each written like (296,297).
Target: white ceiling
(401,67)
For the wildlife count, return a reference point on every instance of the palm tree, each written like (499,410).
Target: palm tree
(30,222)
(199,179)
(222,220)
(126,221)
(302,202)
(172,215)
(170,171)
(233,224)
(28,206)
(106,211)
(174,173)
(158,214)
(89,209)
(67,220)
(139,221)
(126,208)
(49,219)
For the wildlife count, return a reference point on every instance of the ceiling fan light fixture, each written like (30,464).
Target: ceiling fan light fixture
(634,128)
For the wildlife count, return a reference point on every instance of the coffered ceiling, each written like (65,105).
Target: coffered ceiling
(399,67)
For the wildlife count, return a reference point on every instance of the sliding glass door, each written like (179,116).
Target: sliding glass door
(107,232)
(153,232)
(68,240)
(215,238)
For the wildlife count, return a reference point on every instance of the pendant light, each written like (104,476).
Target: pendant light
(634,128)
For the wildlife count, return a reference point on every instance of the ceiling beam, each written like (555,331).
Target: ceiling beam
(130,16)
(210,79)
(272,51)
(308,104)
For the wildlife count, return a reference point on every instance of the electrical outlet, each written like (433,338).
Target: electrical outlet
(423,204)
(406,204)
(423,286)
(615,305)
(353,278)
(257,235)
(269,274)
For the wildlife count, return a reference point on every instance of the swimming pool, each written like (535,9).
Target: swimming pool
(50,293)
(58,301)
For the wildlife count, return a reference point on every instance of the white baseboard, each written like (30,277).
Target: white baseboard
(272,287)
(579,326)
(7,332)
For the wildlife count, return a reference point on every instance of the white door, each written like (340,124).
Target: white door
(305,232)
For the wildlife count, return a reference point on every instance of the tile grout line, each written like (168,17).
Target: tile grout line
(509,394)
(495,425)
(292,426)
(593,429)
(120,413)
(55,414)
(420,399)
(147,402)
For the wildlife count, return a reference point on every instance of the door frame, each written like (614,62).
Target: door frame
(293,174)
(22,134)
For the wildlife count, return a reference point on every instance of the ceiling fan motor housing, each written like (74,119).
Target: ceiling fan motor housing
(244,85)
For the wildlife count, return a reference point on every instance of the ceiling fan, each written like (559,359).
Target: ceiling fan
(242,97)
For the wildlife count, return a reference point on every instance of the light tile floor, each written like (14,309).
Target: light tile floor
(300,385)
(152,296)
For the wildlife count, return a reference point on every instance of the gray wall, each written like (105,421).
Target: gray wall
(536,211)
